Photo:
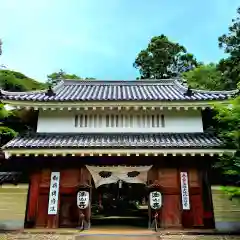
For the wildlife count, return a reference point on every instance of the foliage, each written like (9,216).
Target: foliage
(3,112)
(18,82)
(12,122)
(231,191)
(15,121)
(6,131)
(205,77)
(6,134)
(230,42)
(228,118)
(163,59)
(55,77)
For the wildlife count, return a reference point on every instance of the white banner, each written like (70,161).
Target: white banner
(185,191)
(53,193)
(134,174)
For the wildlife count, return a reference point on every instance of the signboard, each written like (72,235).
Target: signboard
(185,191)
(53,193)
(155,200)
(83,199)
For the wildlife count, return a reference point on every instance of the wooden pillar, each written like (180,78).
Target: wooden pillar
(33,198)
(207,201)
(152,176)
(171,210)
(53,220)
(85,180)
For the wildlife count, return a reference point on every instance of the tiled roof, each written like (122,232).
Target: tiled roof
(138,90)
(130,141)
(9,177)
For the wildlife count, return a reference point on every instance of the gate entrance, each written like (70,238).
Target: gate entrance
(120,204)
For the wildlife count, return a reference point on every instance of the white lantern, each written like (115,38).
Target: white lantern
(155,200)
(83,199)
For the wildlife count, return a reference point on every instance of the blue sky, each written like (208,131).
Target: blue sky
(101,38)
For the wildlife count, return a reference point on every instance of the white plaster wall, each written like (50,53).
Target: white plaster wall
(64,122)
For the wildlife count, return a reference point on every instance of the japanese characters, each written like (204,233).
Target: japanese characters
(184,190)
(53,193)
(83,199)
(155,199)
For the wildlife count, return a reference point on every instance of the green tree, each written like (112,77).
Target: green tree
(15,121)
(18,82)
(12,122)
(228,118)
(205,77)
(230,42)
(163,59)
(55,77)
(6,133)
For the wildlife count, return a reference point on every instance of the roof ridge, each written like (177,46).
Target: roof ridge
(56,87)
(22,93)
(112,133)
(117,82)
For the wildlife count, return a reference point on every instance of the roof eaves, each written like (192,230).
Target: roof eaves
(225,92)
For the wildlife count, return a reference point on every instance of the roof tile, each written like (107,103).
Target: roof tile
(9,177)
(138,90)
(160,140)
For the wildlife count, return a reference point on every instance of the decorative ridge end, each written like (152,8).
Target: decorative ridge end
(50,92)
(189,92)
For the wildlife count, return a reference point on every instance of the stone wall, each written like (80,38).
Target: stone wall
(13,200)
(226,211)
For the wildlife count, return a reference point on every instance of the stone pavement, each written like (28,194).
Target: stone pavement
(109,234)
(112,236)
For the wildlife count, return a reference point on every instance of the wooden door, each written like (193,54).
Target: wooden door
(194,217)
(42,211)
(68,211)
